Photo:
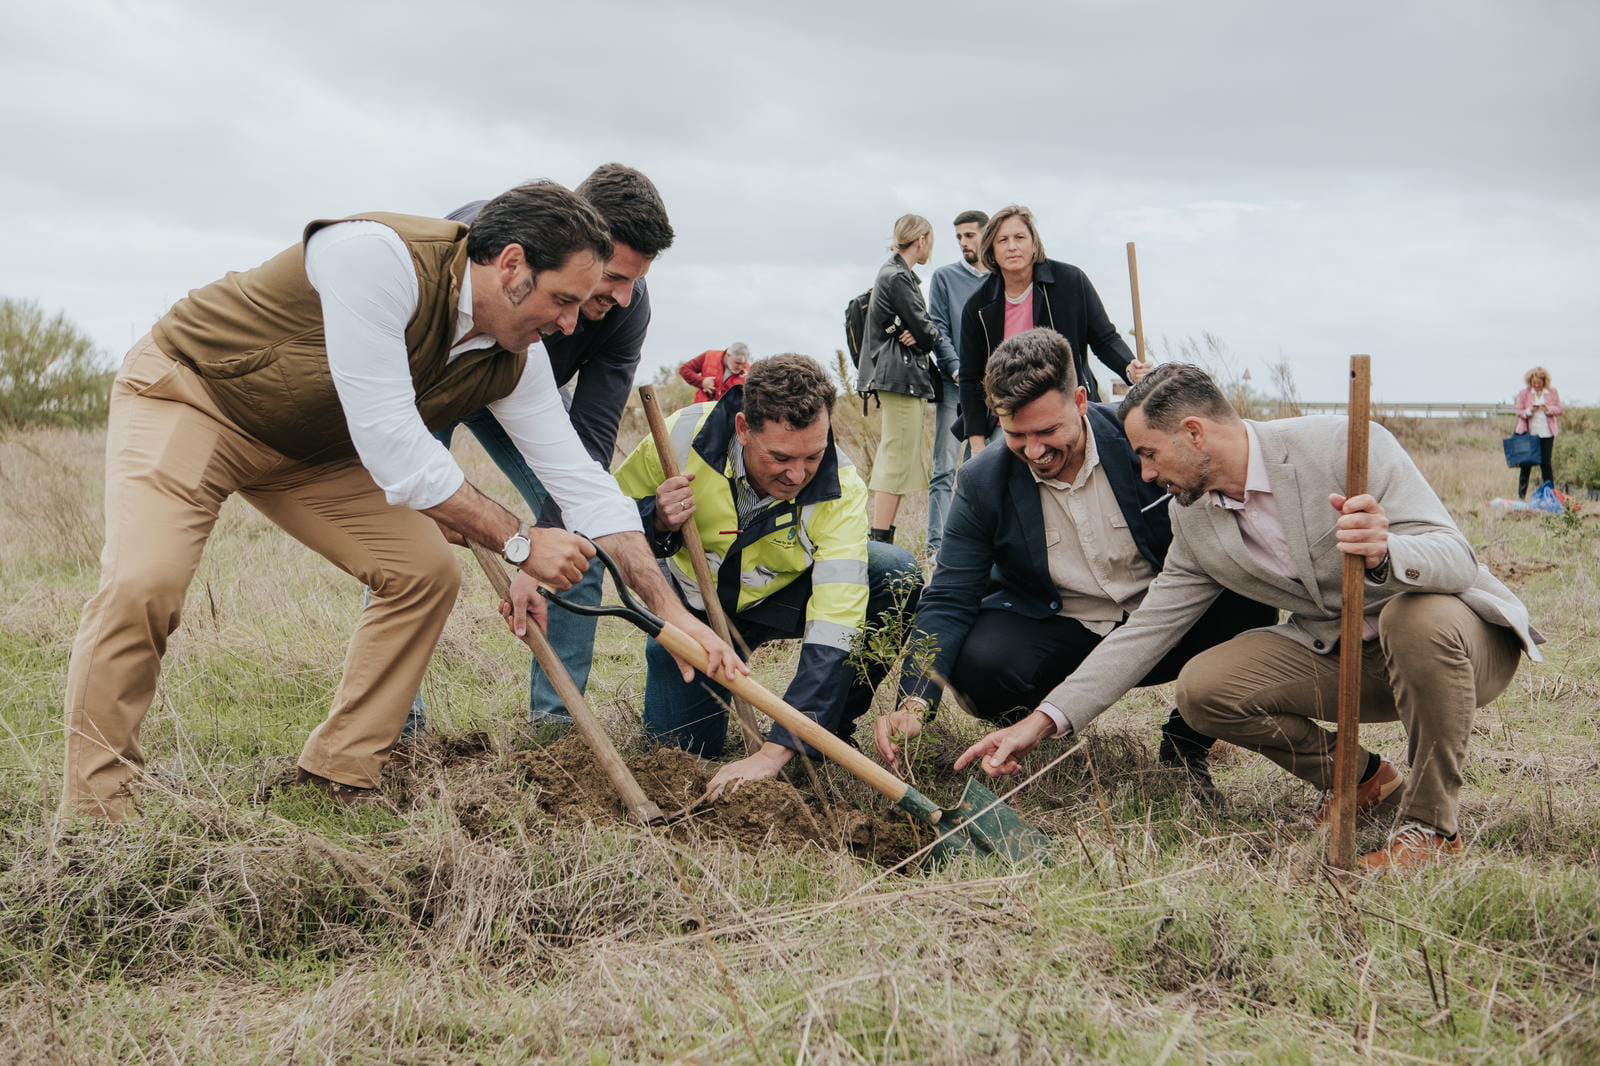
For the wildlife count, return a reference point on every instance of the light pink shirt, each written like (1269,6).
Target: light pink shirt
(1260,528)
(1019,315)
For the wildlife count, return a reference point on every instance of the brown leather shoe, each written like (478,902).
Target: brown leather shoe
(1369,794)
(338,791)
(1411,847)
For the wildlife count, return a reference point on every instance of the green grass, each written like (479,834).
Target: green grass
(244,920)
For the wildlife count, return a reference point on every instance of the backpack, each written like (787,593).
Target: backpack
(855,325)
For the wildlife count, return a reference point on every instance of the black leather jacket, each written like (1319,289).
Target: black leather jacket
(896,305)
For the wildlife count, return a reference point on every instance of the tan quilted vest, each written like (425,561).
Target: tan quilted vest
(255,337)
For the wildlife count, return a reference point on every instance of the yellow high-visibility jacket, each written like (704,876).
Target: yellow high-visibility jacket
(821,536)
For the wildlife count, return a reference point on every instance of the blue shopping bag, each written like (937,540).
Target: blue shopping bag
(1546,500)
(1522,449)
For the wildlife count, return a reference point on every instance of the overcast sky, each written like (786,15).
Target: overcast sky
(1420,181)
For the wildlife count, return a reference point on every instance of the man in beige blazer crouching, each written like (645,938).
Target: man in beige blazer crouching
(1258,509)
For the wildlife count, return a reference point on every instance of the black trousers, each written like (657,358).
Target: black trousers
(1546,448)
(1009,662)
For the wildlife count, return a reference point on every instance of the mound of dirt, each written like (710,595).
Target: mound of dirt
(568,783)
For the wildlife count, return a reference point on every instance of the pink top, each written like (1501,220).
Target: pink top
(1260,528)
(1019,316)
(1525,399)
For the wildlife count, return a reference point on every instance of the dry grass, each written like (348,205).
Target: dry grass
(473,922)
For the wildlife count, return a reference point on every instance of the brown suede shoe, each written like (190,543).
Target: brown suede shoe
(1412,847)
(338,791)
(1369,794)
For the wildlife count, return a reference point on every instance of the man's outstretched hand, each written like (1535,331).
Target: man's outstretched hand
(768,761)
(1000,750)
(903,723)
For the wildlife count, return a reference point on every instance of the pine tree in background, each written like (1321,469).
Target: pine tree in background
(50,371)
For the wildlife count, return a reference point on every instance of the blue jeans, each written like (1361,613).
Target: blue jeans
(694,716)
(571,635)
(947,455)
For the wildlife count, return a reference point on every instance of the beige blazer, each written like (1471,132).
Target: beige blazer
(1305,460)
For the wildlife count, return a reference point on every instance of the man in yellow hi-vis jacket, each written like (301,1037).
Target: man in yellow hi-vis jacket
(782,514)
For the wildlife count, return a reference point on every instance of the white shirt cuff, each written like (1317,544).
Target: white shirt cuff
(435,483)
(1063,727)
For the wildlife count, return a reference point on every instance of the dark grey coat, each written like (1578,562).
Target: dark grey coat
(886,364)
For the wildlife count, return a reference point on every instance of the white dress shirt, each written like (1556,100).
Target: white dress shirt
(368,286)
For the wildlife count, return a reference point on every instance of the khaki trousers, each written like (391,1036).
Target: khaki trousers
(1434,663)
(900,466)
(172,457)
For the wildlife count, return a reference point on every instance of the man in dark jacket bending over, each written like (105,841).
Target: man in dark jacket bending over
(1050,544)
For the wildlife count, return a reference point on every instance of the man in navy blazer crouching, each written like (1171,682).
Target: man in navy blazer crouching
(1049,545)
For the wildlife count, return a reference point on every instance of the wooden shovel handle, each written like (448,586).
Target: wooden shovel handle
(1138,313)
(864,769)
(697,556)
(1352,615)
(605,753)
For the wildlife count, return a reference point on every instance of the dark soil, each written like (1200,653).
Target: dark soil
(567,782)
(490,792)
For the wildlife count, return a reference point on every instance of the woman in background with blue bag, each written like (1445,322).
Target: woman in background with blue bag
(1538,414)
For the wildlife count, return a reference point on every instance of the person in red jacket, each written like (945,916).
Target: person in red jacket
(714,372)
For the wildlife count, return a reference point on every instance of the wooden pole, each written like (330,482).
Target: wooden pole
(1138,314)
(697,558)
(1352,611)
(605,753)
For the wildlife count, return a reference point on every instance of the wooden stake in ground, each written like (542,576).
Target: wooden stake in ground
(697,557)
(1352,610)
(1138,314)
(605,753)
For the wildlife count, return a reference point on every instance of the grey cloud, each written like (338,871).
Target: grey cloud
(1415,179)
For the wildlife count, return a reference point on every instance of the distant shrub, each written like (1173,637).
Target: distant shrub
(50,372)
(1581,420)
(1577,459)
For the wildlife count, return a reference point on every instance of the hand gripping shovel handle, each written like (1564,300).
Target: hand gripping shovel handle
(862,768)
(605,753)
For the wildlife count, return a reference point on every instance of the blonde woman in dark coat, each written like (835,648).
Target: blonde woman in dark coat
(896,367)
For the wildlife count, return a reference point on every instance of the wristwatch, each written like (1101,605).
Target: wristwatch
(518,546)
(1380,573)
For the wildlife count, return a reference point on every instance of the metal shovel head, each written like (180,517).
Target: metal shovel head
(981,825)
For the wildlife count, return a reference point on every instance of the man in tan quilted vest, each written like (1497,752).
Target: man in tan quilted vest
(308,385)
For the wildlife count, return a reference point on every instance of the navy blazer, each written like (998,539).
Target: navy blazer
(994,557)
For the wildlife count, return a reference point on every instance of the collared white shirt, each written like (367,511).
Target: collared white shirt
(368,285)
(1095,588)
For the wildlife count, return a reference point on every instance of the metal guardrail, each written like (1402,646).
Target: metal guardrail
(1416,410)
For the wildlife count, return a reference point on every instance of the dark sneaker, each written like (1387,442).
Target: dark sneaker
(1178,751)
(338,791)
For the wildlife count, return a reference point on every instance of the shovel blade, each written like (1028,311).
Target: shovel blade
(981,825)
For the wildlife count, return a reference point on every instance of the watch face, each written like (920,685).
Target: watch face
(517,549)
